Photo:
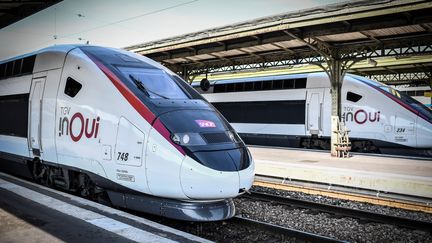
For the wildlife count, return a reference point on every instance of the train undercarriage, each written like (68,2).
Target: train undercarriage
(363,146)
(68,180)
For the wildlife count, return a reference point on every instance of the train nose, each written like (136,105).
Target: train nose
(216,174)
(424,134)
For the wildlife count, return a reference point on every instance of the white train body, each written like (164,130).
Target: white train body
(294,110)
(85,115)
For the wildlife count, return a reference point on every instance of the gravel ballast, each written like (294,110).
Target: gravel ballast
(427,217)
(342,228)
(333,226)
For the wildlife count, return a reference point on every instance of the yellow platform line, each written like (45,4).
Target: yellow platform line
(348,196)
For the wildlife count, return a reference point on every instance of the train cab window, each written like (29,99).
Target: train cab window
(156,83)
(353,97)
(72,87)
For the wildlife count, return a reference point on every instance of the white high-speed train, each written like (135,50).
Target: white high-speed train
(294,111)
(112,124)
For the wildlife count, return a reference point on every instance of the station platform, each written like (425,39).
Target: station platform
(33,213)
(411,177)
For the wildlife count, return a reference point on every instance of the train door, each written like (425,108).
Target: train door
(314,108)
(130,144)
(35,117)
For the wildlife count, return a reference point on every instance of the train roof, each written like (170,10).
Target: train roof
(258,78)
(37,61)
(286,76)
(56,48)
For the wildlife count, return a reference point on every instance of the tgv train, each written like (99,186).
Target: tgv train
(113,125)
(294,111)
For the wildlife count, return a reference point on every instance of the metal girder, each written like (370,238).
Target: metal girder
(402,78)
(251,62)
(366,24)
(322,48)
(401,46)
(397,46)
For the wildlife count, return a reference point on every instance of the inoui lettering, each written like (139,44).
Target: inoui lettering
(66,124)
(361,116)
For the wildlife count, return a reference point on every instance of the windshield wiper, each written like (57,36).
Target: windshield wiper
(141,87)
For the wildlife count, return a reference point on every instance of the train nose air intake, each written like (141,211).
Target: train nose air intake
(224,160)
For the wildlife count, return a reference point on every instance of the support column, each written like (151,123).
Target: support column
(336,77)
(185,74)
(335,70)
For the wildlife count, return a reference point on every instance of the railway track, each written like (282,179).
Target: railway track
(346,193)
(343,211)
(228,229)
(286,232)
(241,229)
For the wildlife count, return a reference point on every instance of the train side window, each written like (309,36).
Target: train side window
(2,70)
(353,96)
(9,69)
(72,87)
(28,64)
(17,67)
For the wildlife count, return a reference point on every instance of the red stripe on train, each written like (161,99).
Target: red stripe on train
(142,109)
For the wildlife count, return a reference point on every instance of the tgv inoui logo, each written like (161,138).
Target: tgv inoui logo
(360,116)
(77,125)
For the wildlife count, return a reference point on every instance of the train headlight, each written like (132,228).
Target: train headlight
(188,139)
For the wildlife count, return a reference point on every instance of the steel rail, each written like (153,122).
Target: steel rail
(343,211)
(288,232)
(402,201)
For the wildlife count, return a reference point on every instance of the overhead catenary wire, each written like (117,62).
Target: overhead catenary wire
(55,38)
(128,19)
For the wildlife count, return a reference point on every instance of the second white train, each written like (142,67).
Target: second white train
(294,111)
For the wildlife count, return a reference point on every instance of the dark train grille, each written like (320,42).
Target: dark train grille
(219,137)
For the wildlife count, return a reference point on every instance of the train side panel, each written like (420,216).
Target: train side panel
(14,96)
(48,122)
(371,115)
(291,105)
(363,120)
(92,126)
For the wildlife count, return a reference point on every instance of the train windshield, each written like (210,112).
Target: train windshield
(419,107)
(155,83)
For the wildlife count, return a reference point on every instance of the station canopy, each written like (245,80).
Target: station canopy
(387,40)
(12,11)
